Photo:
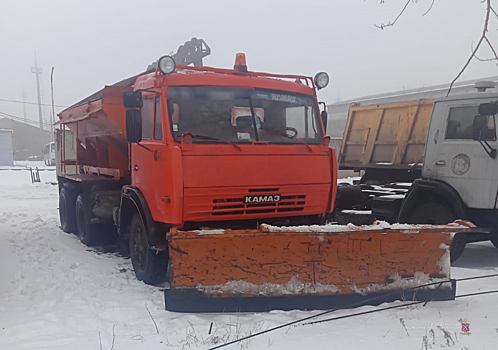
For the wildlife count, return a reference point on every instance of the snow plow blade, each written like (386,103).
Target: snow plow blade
(309,267)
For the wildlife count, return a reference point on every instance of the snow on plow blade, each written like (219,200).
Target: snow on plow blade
(308,267)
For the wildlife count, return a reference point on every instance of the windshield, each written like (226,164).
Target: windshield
(219,115)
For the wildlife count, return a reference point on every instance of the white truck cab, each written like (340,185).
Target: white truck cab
(453,156)
(49,153)
(460,171)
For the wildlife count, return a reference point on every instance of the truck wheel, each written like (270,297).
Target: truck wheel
(355,219)
(67,210)
(149,265)
(494,239)
(435,213)
(90,234)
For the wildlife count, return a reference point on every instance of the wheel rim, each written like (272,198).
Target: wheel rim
(139,250)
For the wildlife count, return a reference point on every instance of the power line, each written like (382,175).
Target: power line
(28,121)
(30,103)
(301,321)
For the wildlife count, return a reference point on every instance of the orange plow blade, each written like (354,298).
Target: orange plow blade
(308,267)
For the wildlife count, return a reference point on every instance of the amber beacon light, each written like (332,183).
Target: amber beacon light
(240,62)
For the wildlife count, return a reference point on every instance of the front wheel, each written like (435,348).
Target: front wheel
(435,213)
(149,265)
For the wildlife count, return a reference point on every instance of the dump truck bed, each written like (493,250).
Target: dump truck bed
(391,135)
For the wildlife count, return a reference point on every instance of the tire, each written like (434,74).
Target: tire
(435,213)
(150,266)
(494,238)
(67,210)
(355,219)
(89,234)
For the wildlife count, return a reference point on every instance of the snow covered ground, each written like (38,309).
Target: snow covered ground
(56,293)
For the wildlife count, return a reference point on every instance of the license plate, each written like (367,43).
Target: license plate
(271,198)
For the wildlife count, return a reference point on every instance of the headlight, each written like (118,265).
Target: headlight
(166,65)
(321,80)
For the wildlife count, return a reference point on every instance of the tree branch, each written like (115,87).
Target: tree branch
(390,24)
(481,59)
(492,48)
(430,8)
(482,38)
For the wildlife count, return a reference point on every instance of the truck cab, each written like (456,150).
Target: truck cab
(460,167)
(456,158)
(228,148)
(49,154)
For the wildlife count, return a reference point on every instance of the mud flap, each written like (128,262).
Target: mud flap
(317,267)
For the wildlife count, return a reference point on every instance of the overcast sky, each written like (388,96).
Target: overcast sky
(93,43)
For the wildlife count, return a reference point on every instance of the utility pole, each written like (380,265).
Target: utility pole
(38,71)
(24,95)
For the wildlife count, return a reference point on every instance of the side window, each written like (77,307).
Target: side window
(490,134)
(460,121)
(174,112)
(158,122)
(147,119)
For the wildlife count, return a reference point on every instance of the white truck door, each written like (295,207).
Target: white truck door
(454,157)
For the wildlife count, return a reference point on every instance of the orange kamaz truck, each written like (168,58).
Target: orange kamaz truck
(220,182)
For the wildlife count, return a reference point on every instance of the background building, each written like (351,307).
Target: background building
(27,140)
(6,152)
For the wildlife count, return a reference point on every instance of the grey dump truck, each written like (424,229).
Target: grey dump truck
(445,148)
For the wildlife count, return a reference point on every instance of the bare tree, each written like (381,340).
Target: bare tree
(482,39)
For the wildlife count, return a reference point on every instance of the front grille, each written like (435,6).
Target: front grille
(236,206)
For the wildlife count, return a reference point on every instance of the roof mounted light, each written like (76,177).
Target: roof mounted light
(240,62)
(321,80)
(166,65)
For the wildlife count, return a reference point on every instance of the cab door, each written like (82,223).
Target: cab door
(454,157)
(147,161)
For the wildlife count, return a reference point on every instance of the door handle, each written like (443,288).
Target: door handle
(440,162)
(436,135)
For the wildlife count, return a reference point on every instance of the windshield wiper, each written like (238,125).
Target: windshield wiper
(204,137)
(275,132)
(253,115)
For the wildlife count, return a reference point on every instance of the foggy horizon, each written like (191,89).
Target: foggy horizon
(91,44)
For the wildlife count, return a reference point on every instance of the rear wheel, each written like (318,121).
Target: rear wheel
(435,213)
(149,265)
(90,234)
(67,210)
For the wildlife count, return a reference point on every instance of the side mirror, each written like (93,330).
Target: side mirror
(133,125)
(479,127)
(488,109)
(325,117)
(133,99)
